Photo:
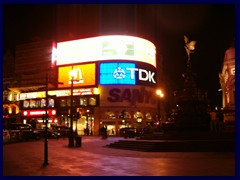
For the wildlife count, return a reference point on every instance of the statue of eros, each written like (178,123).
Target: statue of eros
(189,46)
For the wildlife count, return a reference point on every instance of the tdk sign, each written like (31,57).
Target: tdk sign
(125,73)
(143,74)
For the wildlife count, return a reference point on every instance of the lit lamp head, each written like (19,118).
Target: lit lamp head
(159,93)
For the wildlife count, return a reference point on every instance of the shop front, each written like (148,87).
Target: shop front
(36,118)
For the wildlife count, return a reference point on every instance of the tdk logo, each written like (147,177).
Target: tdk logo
(143,75)
(119,73)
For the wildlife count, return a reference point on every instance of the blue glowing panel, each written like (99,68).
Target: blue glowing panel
(117,73)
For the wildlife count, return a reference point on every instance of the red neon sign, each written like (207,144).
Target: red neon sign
(40,112)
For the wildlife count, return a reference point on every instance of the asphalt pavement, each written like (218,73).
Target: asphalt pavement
(93,158)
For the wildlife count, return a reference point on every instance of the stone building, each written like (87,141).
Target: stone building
(227,81)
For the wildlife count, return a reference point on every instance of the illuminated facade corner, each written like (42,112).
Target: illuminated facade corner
(11,107)
(126,78)
(227,82)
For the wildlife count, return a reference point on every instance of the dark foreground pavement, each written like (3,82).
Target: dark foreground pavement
(95,159)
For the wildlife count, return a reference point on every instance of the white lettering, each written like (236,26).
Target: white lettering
(151,77)
(141,71)
(37,112)
(144,75)
(132,71)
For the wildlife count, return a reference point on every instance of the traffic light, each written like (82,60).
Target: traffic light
(47,117)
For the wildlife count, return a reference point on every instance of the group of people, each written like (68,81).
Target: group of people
(217,121)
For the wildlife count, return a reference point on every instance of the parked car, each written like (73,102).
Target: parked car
(149,129)
(128,132)
(60,131)
(50,133)
(6,136)
(22,131)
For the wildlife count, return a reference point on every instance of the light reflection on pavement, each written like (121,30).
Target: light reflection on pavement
(95,159)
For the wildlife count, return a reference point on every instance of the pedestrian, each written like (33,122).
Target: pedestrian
(105,132)
(220,119)
(213,125)
(87,131)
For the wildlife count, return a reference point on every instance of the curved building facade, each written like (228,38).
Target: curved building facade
(102,81)
(118,77)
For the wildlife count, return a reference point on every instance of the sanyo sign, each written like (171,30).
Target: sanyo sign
(125,73)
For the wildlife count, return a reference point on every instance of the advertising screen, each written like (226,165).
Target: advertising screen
(127,73)
(84,75)
(114,47)
(116,73)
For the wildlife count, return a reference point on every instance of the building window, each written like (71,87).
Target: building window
(138,115)
(43,102)
(68,102)
(15,97)
(38,103)
(92,101)
(51,103)
(148,116)
(63,103)
(25,103)
(83,101)
(110,115)
(127,115)
(32,103)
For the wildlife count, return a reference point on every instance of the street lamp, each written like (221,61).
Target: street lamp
(46,122)
(73,75)
(46,84)
(160,95)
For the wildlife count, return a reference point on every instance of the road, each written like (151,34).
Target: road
(93,158)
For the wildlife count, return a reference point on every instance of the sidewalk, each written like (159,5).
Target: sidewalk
(95,159)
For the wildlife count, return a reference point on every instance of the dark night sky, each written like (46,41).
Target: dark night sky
(212,26)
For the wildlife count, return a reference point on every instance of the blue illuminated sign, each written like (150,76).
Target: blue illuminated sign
(117,73)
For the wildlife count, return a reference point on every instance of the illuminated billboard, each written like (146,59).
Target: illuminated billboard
(126,73)
(142,96)
(84,75)
(114,47)
(115,73)
(58,93)
(39,112)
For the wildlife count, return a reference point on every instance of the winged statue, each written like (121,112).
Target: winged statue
(189,46)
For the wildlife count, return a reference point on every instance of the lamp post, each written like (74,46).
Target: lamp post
(160,95)
(46,122)
(46,112)
(46,106)
(71,138)
(73,75)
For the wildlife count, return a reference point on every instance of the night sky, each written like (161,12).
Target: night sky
(212,26)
